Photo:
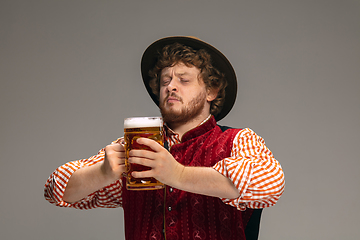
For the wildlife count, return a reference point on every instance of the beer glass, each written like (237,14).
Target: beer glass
(141,127)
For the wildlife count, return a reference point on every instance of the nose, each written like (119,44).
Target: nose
(172,86)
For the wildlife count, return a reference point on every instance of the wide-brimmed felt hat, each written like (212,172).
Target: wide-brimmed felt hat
(219,61)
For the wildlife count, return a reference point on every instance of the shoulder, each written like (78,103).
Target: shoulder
(240,133)
(225,128)
(247,136)
(227,132)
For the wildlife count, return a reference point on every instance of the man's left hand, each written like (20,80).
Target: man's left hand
(163,165)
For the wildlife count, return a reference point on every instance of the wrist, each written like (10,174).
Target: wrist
(180,176)
(107,175)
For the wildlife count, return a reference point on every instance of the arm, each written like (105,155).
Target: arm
(251,177)
(200,180)
(254,171)
(205,181)
(92,178)
(88,183)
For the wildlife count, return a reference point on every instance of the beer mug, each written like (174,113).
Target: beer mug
(141,127)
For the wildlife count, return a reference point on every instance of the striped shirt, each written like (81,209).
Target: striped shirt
(251,167)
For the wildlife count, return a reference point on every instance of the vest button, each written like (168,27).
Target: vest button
(169,208)
(171,190)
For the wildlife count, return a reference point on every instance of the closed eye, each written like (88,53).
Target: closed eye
(165,82)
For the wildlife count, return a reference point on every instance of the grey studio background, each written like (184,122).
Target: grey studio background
(70,73)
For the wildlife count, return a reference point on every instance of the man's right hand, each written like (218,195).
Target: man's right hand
(114,164)
(87,180)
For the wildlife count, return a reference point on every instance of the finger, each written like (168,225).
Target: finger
(155,146)
(117,147)
(142,154)
(120,140)
(110,152)
(115,157)
(142,174)
(122,160)
(141,161)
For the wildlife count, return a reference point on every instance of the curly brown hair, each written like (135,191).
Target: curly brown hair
(179,53)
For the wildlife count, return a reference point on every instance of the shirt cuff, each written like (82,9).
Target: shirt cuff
(239,175)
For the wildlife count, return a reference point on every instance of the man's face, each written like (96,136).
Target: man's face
(183,96)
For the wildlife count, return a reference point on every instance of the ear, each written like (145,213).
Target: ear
(211,94)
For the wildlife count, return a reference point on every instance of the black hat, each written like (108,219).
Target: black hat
(219,61)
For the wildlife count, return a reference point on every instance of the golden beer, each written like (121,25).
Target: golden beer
(141,127)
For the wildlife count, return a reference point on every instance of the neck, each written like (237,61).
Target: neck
(182,128)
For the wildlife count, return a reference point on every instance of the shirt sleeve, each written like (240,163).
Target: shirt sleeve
(107,197)
(254,171)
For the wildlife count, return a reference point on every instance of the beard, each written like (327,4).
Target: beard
(186,113)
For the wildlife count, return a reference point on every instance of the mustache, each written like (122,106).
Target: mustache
(173,95)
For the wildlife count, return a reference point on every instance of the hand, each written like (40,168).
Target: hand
(114,163)
(165,168)
(163,165)
(85,181)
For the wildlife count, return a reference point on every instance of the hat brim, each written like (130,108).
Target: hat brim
(219,61)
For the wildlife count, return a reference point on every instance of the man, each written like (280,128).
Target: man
(215,176)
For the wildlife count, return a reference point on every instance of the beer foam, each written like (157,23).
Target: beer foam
(138,122)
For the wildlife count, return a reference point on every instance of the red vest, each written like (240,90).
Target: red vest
(181,215)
